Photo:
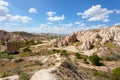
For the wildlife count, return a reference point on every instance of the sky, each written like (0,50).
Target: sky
(58,16)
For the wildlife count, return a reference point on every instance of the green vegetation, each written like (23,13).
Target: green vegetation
(21,73)
(78,55)
(4,74)
(116,74)
(81,56)
(110,44)
(64,52)
(5,55)
(111,57)
(38,62)
(85,60)
(78,43)
(55,51)
(100,73)
(27,49)
(24,76)
(95,59)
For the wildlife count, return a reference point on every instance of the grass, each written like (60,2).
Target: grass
(110,45)
(4,74)
(94,74)
(99,73)
(78,43)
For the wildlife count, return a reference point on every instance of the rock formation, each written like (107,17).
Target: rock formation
(91,38)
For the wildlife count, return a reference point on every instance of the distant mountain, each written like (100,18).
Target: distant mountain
(24,36)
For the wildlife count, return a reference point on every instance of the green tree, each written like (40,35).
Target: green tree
(94,59)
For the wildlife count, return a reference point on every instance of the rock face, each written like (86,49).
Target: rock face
(43,75)
(68,70)
(86,45)
(91,38)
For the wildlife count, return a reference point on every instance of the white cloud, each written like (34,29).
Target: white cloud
(67,25)
(56,18)
(117,11)
(51,13)
(16,18)
(117,24)
(79,13)
(6,17)
(3,8)
(77,22)
(3,3)
(33,10)
(53,17)
(98,26)
(96,13)
(82,25)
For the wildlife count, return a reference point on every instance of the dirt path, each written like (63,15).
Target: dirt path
(45,74)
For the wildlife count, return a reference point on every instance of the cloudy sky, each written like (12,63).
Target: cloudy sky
(58,16)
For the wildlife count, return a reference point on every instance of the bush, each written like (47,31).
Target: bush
(21,73)
(55,51)
(27,49)
(64,52)
(17,70)
(94,59)
(116,74)
(85,60)
(78,56)
(24,76)
(4,75)
(99,73)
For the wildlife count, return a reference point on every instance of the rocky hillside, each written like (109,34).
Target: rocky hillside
(16,36)
(88,39)
(23,36)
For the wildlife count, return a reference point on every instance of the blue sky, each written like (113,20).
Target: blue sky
(58,16)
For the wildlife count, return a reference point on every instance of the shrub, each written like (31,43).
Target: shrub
(23,76)
(17,70)
(116,74)
(78,56)
(64,52)
(85,60)
(94,59)
(99,73)
(5,74)
(27,49)
(21,73)
(55,51)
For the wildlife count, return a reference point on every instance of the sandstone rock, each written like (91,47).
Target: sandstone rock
(86,45)
(72,38)
(89,38)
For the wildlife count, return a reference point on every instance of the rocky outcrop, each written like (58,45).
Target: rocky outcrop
(111,33)
(91,38)
(86,45)
(68,70)
(59,42)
